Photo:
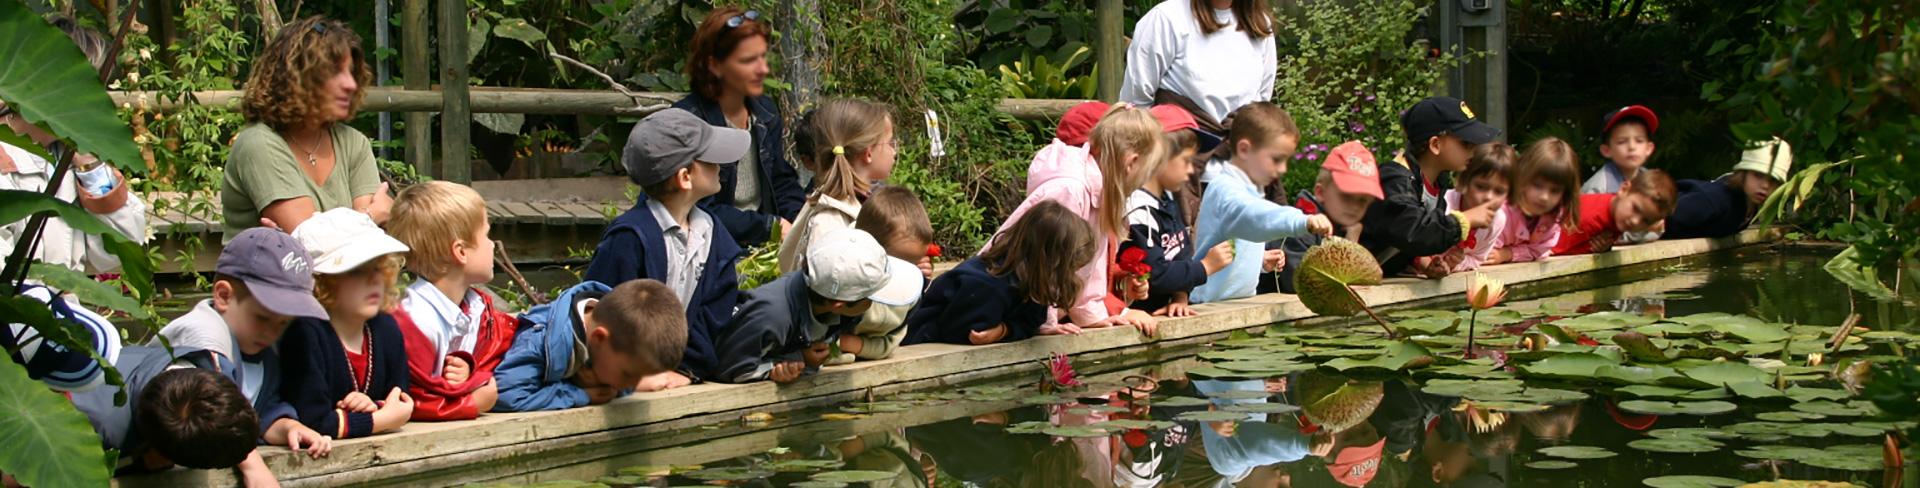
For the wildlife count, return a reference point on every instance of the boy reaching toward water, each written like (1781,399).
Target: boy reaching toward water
(1349,182)
(590,345)
(1413,220)
(1261,141)
(786,328)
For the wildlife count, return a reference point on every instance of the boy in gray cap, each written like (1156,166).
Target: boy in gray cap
(675,158)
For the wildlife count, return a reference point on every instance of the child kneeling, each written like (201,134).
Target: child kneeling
(787,327)
(591,345)
(1003,294)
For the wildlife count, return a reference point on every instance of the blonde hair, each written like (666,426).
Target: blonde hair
(430,217)
(389,267)
(1124,130)
(1553,160)
(846,128)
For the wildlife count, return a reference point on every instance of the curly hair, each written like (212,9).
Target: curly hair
(388,266)
(283,88)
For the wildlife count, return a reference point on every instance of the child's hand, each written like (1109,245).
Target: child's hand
(597,395)
(394,412)
(989,336)
(1140,320)
(786,372)
(356,402)
(1179,307)
(398,400)
(1319,225)
(1498,256)
(663,381)
(926,267)
(1137,288)
(254,472)
(1069,328)
(1218,257)
(1273,260)
(817,353)
(1481,217)
(852,343)
(1658,227)
(456,370)
(1603,241)
(301,438)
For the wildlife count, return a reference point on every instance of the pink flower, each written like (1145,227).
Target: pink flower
(1484,293)
(1060,371)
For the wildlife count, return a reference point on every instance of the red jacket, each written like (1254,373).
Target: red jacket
(1597,231)
(433,398)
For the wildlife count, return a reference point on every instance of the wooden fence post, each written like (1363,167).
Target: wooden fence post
(1111,53)
(456,113)
(418,75)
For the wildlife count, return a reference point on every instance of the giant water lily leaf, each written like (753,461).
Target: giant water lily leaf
(1676,445)
(1691,481)
(1752,329)
(1336,403)
(1807,394)
(1720,374)
(1577,366)
(1832,409)
(49,82)
(1328,270)
(1656,407)
(1577,452)
(1395,357)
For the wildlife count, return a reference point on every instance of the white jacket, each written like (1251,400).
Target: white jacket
(60,244)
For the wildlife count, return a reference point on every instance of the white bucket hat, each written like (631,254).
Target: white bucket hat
(342,239)
(848,265)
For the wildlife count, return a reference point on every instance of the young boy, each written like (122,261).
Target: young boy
(1261,141)
(1722,207)
(262,280)
(1626,140)
(454,337)
(1349,182)
(1157,223)
(591,345)
(786,328)
(1642,203)
(174,414)
(1412,220)
(895,218)
(675,158)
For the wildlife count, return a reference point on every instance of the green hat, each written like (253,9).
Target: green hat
(1772,158)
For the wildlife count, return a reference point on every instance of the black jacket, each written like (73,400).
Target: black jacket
(968,298)
(1156,224)
(1408,223)
(780,193)
(319,377)
(1706,209)
(771,326)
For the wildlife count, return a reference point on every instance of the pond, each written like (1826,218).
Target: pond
(1689,373)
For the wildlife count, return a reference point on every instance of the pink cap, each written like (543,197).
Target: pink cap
(1077,125)
(1354,169)
(1173,118)
(1355,466)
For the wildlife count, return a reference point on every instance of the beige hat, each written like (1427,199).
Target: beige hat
(342,239)
(1772,158)
(848,265)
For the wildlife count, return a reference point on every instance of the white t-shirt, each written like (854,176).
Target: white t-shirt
(1220,72)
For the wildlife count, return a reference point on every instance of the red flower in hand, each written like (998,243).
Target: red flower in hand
(1133,262)
(933,250)
(1134,438)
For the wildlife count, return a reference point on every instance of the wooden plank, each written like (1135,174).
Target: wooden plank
(532,101)
(521,213)
(1111,48)
(496,212)
(551,214)
(415,70)
(585,214)
(456,111)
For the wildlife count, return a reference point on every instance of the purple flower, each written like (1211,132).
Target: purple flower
(1357,127)
(1356,109)
(1370,98)
(1313,157)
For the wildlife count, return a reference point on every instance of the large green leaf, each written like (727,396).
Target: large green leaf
(1850,268)
(48,443)
(1725,373)
(1326,272)
(26,310)
(134,265)
(90,291)
(48,80)
(1577,366)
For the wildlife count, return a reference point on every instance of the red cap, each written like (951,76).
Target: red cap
(1077,125)
(1173,118)
(1631,112)
(1355,466)
(1354,169)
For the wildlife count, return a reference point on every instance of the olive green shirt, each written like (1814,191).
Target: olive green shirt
(262,169)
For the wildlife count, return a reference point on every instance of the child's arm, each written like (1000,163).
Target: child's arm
(393,413)
(1167,275)
(1404,222)
(879,345)
(254,473)
(520,379)
(434,397)
(304,385)
(289,432)
(1537,246)
(752,344)
(1249,217)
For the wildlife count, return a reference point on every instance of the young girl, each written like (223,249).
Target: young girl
(1722,207)
(1093,182)
(1488,178)
(1003,294)
(1545,184)
(1157,225)
(853,147)
(348,376)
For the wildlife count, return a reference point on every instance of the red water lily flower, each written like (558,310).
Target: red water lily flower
(1060,371)
(933,250)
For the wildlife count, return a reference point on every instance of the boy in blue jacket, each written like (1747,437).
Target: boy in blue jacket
(1263,138)
(676,158)
(590,345)
(787,328)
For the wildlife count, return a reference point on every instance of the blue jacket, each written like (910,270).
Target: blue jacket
(533,376)
(968,298)
(1233,208)
(780,193)
(633,247)
(1706,209)
(772,326)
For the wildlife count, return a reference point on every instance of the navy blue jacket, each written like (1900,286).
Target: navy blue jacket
(1410,222)
(1706,209)
(1157,225)
(319,376)
(780,193)
(772,327)
(968,298)
(633,247)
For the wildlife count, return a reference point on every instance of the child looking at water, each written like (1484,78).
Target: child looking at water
(1002,295)
(854,148)
(895,218)
(1488,178)
(787,327)
(1261,140)
(1626,141)
(1157,225)
(1641,204)
(1093,182)
(1349,182)
(344,363)
(1722,207)
(454,337)
(1543,202)
(590,345)
(1413,219)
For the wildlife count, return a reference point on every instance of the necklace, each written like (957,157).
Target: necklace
(366,349)
(313,158)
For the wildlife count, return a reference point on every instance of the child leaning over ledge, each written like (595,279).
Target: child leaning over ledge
(1349,182)
(591,345)
(349,373)
(454,337)
(787,328)
(1262,139)
(895,218)
(1642,203)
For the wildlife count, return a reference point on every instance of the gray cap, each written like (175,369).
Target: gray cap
(671,139)
(276,270)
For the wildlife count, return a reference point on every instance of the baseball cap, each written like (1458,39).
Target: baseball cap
(275,268)
(1356,465)
(1630,112)
(848,265)
(1354,169)
(1444,115)
(671,139)
(1077,125)
(1772,158)
(342,239)
(1173,118)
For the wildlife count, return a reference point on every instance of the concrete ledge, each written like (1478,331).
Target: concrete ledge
(431,446)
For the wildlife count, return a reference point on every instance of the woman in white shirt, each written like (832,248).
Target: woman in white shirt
(1218,54)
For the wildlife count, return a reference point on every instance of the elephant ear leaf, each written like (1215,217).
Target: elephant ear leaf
(49,443)
(50,83)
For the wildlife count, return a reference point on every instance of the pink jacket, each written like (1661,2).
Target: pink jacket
(1529,242)
(1482,242)
(1068,175)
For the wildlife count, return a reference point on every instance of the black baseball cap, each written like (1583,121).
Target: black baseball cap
(1444,115)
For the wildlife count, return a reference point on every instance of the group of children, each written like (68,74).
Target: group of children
(311,336)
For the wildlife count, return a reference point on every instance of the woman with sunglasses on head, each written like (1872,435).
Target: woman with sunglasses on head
(297,157)
(762,194)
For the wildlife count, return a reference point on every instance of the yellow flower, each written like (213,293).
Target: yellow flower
(1484,293)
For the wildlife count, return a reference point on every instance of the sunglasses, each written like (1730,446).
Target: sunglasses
(750,15)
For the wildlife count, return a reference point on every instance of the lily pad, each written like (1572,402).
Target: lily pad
(1691,432)
(1511,406)
(1466,370)
(806,465)
(1833,409)
(1636,374)
(1847,458)
(1327,271)
(1239,395)
(1267,367)
(1247,354)
(1748,429)
(1075,431)
(1439,325)
(1777,452)
(646,470)
(853,476)
(1577,452)
(1640,347)
(1806,394)
(737,473)
(1212,416)
(1656,407)
(1678,445)
(1568,366)
(1395,357)
(1261,408)
(1755,391)
(1691,481)
(818,484)
(1544,396)
(1788,416)
(1605,321)
(1551,464)
(1179,401)
(1463,388)
(1651,391)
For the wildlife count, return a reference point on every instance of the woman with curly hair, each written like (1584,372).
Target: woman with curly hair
(727,69)
(297,157)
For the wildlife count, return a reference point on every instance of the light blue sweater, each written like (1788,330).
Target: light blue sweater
(1234,209)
